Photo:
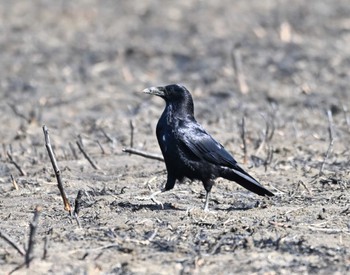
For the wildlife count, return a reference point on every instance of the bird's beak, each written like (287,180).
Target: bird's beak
(159,91)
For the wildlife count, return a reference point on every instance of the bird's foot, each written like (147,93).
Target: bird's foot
(152,198)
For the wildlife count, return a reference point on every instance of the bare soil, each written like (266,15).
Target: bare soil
(79,67)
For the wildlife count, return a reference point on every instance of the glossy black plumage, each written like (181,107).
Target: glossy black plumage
(189,151)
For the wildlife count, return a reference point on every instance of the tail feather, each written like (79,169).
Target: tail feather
(244,179)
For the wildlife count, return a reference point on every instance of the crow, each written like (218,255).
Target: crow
(189,151)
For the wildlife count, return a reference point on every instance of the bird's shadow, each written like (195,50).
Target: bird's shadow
(134,207)
(235,208)
(241,207)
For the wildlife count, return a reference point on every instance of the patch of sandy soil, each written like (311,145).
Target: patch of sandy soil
(79,67)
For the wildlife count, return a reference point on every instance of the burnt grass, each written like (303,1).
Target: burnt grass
(79,68)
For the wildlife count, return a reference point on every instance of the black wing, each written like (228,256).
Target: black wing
(201,144)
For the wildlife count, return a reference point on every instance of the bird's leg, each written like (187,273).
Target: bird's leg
(206,204)
(208,184)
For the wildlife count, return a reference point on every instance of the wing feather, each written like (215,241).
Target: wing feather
(203,146)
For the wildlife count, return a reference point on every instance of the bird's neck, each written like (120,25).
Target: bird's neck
(180,109)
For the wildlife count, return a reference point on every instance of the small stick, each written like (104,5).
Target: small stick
(132,127)
(269,156)
(143,154)
(21,171)
(330,124)
(64,152)
(101,147)
(243,136)
(331,140)
(18,113)
(78,202)
(347,117)
(77,206)
(33,227)
(238,68)
(73,150)
(14,183)
(93,164)
(108,137)
(46,245)
(11,242)
(304,185)
(66,203)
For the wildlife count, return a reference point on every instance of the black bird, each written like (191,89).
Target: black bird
(189,151)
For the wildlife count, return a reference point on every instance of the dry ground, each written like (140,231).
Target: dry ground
(79,67)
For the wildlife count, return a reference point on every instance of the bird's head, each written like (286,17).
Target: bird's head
(176,95)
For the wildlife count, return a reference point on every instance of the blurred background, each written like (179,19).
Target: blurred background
(67,62)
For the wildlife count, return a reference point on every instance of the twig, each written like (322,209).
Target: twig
(77,205)
(33,227)
(73,150)
(11,242)
(268,134)
(101,147)
(270,129)
(143,154)
(304,185)
(93,164)
(17,268)
(330,124)
(132,127)
(238,68)
(331,140)
(108,137)
(18,113)
(243,136)
(46,243)
(14,183)
(269,156)
(347,117)
(67,206)
(78,202)
(21,171)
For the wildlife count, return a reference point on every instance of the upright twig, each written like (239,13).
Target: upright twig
(143,154)
(73,150)
(46,244)
(11,242)
(19,168)
(67,206)
(269,156)
(14,183)
(32,232)
(244,140)
(101,147)
(77,205)
(132,128)
(331,140)
(86,155)
(238,68)
(268,134)
(347,117)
